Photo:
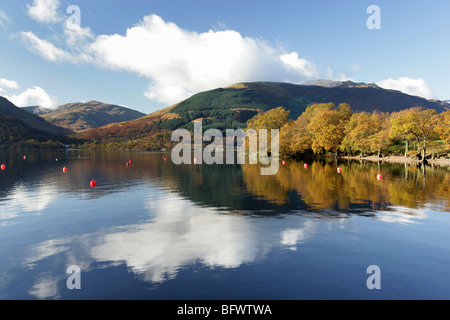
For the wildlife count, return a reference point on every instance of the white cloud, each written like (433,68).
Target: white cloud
(8,84)
(44,48)
(3,18)
(77,35)
(302,66)
(35,96)
(180,63)
(415,87)
(45,11)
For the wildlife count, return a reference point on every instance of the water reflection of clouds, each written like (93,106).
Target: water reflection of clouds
(45,287)
(180,233)
(402,215)
(29,201)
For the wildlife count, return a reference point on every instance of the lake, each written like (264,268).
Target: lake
(154,230)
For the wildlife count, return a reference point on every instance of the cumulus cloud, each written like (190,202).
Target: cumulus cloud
(44,11)
(35,96)
(301,66)
(180,63)
(177,62)
(8,84)
(415,87)
(76,35)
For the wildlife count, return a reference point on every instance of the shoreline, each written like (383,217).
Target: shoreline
(398,159)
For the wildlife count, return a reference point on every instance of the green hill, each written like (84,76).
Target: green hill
(231,107)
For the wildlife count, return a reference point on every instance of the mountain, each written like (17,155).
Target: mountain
(79,117)
(231,107)
(14,132)
(31,120)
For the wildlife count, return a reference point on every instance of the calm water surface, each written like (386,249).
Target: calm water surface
(159,231)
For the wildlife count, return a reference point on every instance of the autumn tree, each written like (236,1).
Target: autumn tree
(295,137)
(379,140)
(400,127)
(327,129)
(443,126)
(272,119)
(357,133)
(420,124)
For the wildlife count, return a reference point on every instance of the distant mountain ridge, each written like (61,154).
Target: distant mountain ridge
(79,117)
(231,107)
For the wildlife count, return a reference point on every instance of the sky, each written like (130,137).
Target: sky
(150,54)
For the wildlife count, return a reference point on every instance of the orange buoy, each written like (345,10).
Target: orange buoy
(65,169)
(93,184)
(379,177)
(3,167)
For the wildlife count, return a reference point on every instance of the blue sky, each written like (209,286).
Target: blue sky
(174,49)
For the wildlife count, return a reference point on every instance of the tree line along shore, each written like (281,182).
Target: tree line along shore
(409,136)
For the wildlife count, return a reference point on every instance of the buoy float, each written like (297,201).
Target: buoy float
(93,184)
(3,167)
(306,166)
(24,157)
(65,169)
(379,177)
(339,170)
(128,164)
(195,160)
(165,159)
(79,156)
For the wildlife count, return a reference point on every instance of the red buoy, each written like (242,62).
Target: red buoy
(379,177)
(79,156)
(165,159)
(339,170)
(306,166)
(3,167)
(65,169)
(284,163)
(128,164)
(24,157)
(93,184)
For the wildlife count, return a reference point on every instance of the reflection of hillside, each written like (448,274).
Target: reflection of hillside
(321,187)
(234,188)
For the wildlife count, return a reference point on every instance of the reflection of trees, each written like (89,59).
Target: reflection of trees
(235,188)
(321,187)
